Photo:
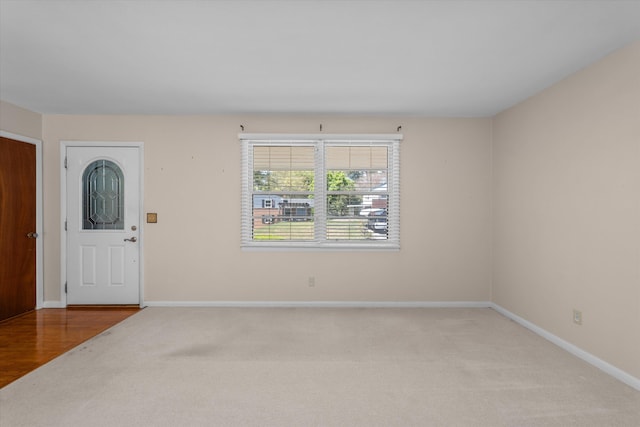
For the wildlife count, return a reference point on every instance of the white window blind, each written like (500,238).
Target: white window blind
(320,191)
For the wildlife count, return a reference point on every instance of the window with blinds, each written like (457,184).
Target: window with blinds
(325,191)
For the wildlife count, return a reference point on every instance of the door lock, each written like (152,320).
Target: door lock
(133,239)
(32,235)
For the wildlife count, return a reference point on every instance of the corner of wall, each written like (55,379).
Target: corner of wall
(20,121)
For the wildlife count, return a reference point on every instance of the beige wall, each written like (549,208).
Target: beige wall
(19,121)
(566,167)
(192,180)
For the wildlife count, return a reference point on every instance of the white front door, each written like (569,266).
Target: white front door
(103,225)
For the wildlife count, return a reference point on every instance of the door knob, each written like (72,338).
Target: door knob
(133,239)
(32,235)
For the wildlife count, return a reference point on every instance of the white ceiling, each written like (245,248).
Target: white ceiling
(435,58)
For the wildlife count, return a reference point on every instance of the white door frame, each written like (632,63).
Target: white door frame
(39,215)
(63,209)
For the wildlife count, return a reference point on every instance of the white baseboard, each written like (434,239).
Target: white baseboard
(53,304)
(325,304)
(617,373)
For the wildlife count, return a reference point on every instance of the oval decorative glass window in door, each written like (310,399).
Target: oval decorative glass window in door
(102,196)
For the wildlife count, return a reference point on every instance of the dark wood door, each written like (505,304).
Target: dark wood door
(17,223)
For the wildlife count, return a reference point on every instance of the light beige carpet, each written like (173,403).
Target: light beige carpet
(318,367)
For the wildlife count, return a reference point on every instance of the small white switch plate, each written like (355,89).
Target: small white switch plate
(577,317)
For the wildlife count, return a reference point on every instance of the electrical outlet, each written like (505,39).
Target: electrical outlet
(311,281)
(577,317)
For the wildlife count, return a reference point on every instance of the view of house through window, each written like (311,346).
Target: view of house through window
(283,192)
(321,192)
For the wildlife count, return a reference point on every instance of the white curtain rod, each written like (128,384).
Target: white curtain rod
(321,136)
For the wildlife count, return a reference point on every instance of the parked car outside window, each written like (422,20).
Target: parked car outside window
(377,220)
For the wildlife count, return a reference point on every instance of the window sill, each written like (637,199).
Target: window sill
(317,247)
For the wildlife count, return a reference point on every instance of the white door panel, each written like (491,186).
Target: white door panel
(88,266)
(103,186)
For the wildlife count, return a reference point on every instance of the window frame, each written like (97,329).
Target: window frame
(320,141)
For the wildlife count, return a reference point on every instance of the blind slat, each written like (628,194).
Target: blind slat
(278,158)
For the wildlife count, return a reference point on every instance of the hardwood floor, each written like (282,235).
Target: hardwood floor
(33,339)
